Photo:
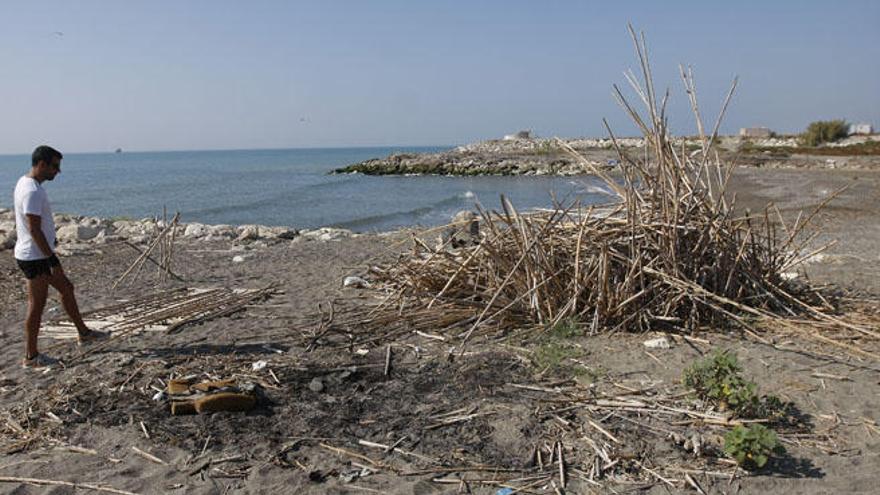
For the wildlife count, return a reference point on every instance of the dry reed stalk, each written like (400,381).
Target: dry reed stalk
(142,259)
(43,482)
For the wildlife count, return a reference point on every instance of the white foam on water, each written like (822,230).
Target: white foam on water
(591,189)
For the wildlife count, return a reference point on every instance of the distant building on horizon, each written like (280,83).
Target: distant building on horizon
(755,132)
(519,135)
(861,129)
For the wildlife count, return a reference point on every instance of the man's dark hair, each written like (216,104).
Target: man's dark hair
(46,154)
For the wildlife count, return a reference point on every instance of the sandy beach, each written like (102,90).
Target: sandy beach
(304,436)
(437,248)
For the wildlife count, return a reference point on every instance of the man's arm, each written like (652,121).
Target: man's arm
(35,227)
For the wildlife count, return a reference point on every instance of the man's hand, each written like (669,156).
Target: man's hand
(35,227)
(57,270)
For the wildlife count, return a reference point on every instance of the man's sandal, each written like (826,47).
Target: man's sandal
(38,361)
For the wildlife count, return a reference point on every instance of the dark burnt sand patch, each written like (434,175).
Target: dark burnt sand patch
(364,404)
(355,402)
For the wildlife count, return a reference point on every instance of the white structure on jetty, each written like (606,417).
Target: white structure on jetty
(861,129)
(519,135)
(755,132)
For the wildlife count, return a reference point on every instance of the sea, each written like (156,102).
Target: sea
(290,187)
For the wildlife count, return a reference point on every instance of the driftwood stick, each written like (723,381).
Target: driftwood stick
(691,481)
(603,431)
(561,461)
(138,370)
(152,260)
(148,456)
(395,448)
(387,360)
(142,258)
(85,486)
(355,455)
(144,429)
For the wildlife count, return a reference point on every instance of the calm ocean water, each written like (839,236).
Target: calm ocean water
(277,187)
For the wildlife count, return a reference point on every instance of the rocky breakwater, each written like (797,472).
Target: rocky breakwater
(499,157)
(82,233)
(538,156)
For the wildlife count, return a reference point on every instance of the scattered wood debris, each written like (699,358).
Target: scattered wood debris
(165,241)
(167,311)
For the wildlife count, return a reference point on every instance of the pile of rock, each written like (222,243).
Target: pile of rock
(532,156)
(776,142)
(241,233)
(854,140)
(553,161)
(78,231)
(541,145)
(7,229)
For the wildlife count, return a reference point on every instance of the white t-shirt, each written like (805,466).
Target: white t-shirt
(31,199)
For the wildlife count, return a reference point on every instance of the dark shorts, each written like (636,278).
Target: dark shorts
(34,268)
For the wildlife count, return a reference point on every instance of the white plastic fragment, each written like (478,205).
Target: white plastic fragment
(356,282)
(658,343)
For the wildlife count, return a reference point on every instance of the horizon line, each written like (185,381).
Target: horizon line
(180,150)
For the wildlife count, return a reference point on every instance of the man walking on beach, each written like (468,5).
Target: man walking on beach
(35,254)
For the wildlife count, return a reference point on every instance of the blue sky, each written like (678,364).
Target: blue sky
(159,75)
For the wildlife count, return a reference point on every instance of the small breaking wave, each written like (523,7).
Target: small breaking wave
(436,212)
(591,189)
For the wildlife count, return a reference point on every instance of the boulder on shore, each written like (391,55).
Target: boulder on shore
(76,233)
(248,233)
(463,231)
(325,234)
(7,237)
(222,231)
(196,230)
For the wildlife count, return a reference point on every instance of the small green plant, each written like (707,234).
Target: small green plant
(771,407)
(553,354)
(566,329)
(824,131)
(554,351)
(752,446)
(717,379)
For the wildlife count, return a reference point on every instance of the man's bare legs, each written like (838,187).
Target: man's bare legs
(37,291)
(68,299)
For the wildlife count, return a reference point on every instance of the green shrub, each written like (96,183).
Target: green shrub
(717,379)
(824,131)
(553,355)
(566,329)
(554,350)
(751,446)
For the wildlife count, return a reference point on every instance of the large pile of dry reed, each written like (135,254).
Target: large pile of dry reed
(668,252)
